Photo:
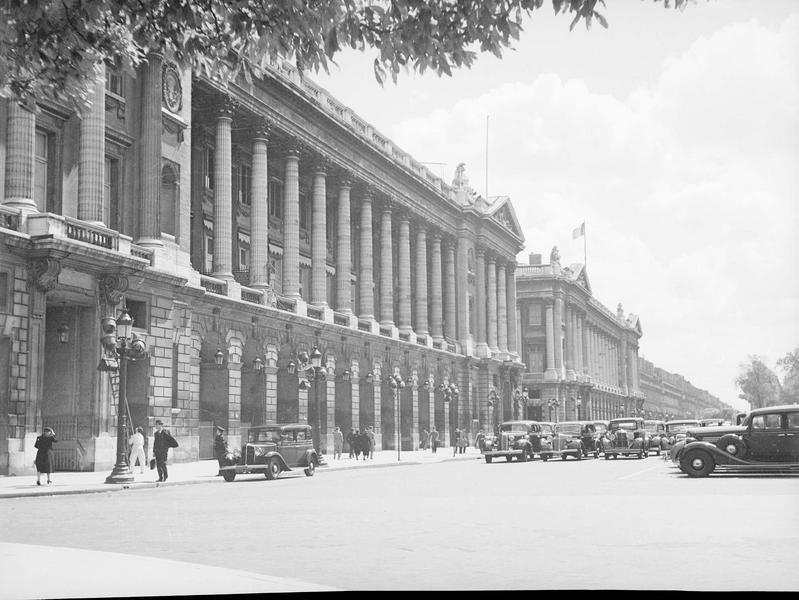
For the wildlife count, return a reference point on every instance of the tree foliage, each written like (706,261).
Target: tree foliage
(53,47)
(789,364)
(759,385)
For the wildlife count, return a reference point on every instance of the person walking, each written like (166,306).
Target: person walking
(163,441)
(45,456)
(433,439)
(479,441)
(136,443)
(356,444)
(351,441)
(338,443)
(464,441)
(220,447)
(456,441)
(424,439)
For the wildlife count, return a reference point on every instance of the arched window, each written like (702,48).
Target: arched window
(169,199)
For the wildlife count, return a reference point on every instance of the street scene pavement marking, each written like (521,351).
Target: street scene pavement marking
(642,471)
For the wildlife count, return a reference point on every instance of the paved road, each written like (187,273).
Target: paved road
(630,524)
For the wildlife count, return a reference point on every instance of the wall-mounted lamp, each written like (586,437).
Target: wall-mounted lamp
(370,377)
(346,375)
(218,356)
(426,385)
(258,364)
(63,333)
(291,367)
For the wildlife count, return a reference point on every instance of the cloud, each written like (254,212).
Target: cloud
(689,188)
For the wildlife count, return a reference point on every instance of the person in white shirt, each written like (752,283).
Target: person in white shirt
(136,443)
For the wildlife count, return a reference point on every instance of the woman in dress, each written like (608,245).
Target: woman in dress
(136,443)
(45,457)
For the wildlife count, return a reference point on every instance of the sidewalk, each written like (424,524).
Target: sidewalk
(205,471)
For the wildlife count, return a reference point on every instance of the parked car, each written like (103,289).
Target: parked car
(656,431)
(520,439)
(712,422)
(272,449)
(675,434)
(766,441)
(626,437)
(571,438)
(601,432)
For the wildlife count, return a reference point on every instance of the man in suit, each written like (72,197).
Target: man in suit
(220,447)
(163,442)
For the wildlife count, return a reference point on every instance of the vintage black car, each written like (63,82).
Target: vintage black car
(766,441)
(571,438)
(272,449)
(626,437)
(520,439)
(656,431)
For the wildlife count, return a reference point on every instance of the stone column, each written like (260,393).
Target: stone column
(569,343)
(625,370)
(436,293)
(319,238)
(355,391)
(386,271)
(558,339)
(414,416)
(513,338)
(376,370)
(421,281)
(462,291)
(366,299)
(450,305)
(291,226)
(223,196)
(20,158)
(578,343)
(502,309)
(491,304)
(91,155)
(344,251)
(480,301)
(404,274)
(551,372)
(259,260)
(149,166)
(585,350)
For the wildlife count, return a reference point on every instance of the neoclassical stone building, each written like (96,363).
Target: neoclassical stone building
(671,396)
(582,359)
(241,227)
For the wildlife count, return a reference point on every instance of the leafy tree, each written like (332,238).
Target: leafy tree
(790,382)
(53,47)
(759,384)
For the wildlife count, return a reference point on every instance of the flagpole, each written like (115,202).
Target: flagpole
(585,247)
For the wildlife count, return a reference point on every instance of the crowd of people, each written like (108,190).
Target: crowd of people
(360,443)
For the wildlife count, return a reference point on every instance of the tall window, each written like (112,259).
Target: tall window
(534,314)
(245,182)
(275,198)
(41,169)
(169,199)
(244,251)
(209,168)
(114,82)
(111,193)
(304,211)
(208,247)
(535,359)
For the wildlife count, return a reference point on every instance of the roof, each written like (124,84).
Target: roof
(283,426)
(773,409)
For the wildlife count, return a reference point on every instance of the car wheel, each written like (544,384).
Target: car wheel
(563,457)
(596,453)
(523,456)
(488,459)
(732,444)
(273,469)
(607,456)
(579,456)
(544,457)
(311,468)
(228,475)
(509,457)
(697,463)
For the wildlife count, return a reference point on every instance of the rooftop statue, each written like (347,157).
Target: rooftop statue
(620,311)
(554,256)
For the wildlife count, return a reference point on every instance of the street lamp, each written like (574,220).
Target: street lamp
(120,344)
(578,403)
(316,373)
(396,383)
(554,403)
(493,398)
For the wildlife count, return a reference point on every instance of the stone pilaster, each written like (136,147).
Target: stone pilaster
(569,343)
(150,157)
(355,391)
(431,402)
(491,304)
(578,342)
(513,336)
(421,283)
(436,291)
(291,226)
(462,291)
(586,356)
(270,369)
(223,195)
(20,156)
(481,307)
(259,257)
(450,305)
(404,275)
(445,435)
(376,371)
(366,299)
(415,413)
(330,400)
(551,372)
(343,251)
(386,271)
(91,155)
(319,238)
(558,338)
(502,309)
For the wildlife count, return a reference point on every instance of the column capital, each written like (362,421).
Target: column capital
(263,127)
(490,257)
(321,166)
(225,108)
(293,147)
(345,181)
(480,251)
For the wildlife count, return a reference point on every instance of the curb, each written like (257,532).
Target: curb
(155,484)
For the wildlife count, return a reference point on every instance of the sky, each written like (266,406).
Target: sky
(674,135)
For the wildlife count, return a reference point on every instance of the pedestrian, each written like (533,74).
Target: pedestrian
(424,438)
(370,434)
(136,443)
(456,440)
(338,443)
(220,447)
(464,441)
(479,441)
(433,439)
(45,456)
(356,444)
(163,441)
(351,441)
(364,444)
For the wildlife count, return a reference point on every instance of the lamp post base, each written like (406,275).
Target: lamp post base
(120,474)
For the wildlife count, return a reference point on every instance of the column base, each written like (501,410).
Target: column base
(148,242)
(482,350)
(23,204)
(571,375)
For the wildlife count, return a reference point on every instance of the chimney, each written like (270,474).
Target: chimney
(535,259)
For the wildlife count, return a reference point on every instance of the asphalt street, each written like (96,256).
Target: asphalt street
(623,524)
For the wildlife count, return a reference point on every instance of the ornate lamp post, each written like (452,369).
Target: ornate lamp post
(578,403)
(493,398)
(553,403)
(119,342)
(316,374)
(396,383)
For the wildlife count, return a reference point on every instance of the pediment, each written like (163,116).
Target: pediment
(501,211)
(580,276)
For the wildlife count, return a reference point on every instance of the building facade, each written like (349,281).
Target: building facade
(582,359)
(671,396)
(241,227)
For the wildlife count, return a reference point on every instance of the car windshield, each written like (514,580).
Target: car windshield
(650,426)
(570,428)
(546,428)
(263,435)
(681,427)
(627,425)
(601,427)
(514,427)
